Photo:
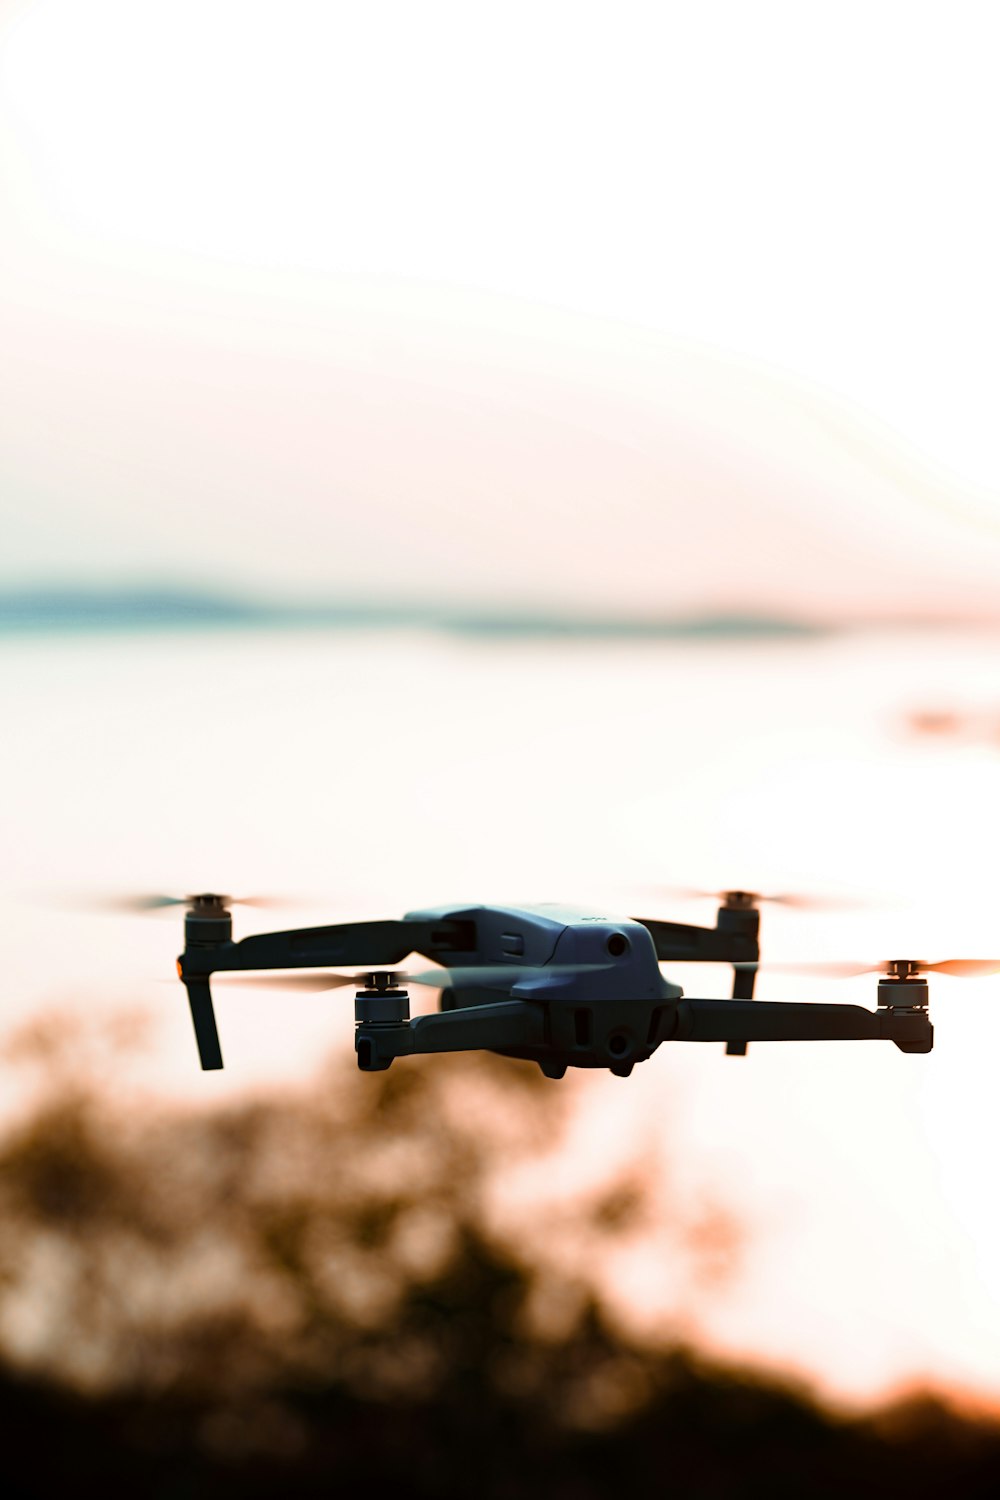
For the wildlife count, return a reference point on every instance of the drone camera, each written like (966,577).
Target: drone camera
(621,1052)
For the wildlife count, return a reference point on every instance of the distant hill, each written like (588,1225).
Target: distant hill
(51,611)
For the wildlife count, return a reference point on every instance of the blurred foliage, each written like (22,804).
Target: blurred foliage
(295,1295)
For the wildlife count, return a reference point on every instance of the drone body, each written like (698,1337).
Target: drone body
(582,990)
(558,986)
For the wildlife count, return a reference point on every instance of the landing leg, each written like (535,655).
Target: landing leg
(742,990)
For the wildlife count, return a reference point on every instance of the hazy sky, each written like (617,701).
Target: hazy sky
(623,305)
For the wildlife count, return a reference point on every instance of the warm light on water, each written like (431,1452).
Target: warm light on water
(367,775)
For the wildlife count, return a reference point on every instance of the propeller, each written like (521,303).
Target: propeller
(797,900)
(145,904)
(959,968)
(488,975)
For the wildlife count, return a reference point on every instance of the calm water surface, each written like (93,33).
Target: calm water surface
(363,775)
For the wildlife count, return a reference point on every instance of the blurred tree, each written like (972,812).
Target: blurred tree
(298,1295)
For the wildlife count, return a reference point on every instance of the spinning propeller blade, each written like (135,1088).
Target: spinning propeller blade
(313,981)
(799,901)
(963,968)
(486,975)
(959,968)
(144,904)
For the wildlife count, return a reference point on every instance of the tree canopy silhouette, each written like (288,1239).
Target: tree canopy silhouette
(295,1294)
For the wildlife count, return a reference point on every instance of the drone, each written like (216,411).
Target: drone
(560,987)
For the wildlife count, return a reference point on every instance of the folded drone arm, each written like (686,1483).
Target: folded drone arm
(776,1021)
(346,943)
(522,1029)
(497,1028)
(678,942)
(374,944)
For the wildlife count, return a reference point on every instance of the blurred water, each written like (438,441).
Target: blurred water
(366,774)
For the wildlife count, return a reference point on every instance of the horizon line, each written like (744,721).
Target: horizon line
(55,608)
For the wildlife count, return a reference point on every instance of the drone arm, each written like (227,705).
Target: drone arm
(208,950)
(774,1021)
(677,942)
(497,1027)
(347,943)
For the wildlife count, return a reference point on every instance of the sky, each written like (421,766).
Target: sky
(657,308)
(634,307)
